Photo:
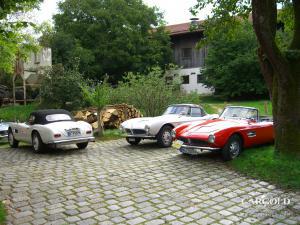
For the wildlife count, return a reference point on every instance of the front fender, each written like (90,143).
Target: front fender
(223,137)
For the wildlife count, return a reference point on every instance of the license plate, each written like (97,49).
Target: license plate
(131,139)
(73,133)
(177,144)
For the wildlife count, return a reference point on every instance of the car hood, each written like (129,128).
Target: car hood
(140,123)
(143,121)
(4,126)
(212,126)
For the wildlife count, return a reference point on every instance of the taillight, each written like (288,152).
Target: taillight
(89,132)
(57,135)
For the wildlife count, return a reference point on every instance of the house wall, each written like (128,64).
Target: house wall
(182,43)
(36,64)
(190,66)
(193,84)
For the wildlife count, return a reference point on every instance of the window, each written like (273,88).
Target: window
(186,79)
(186,53)
(58,117)
(36,58)
(31,119)
(184,110)
(196,112)
(199,78)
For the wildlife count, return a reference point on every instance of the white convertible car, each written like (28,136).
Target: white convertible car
(51,127)
(159,128)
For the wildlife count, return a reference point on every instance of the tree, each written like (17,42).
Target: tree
(12,40)
(61,88)
(110,37)
(232,59)
(280,67)
(98,96)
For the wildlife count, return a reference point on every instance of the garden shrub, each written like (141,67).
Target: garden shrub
(61,88)
(150,93)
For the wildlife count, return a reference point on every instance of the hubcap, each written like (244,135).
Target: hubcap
(167,138)
(35,142)
(11,138)
(234,148)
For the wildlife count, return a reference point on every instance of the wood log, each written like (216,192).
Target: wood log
(111,116)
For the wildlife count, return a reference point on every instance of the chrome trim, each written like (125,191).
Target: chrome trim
(140,136)
(73,141)
(251,134)
(200,148)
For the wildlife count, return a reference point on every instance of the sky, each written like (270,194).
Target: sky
(175,11)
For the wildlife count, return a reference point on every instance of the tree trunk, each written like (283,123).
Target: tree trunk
(100,127)
(286,111)
(283,72)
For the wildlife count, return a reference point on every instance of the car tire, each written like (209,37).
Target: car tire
(164,137)
(82,145)
(13,143)
(135,142)
(37,144)
(232,148)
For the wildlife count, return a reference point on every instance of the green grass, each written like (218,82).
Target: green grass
(261,163)
(4,144)
(112,134)
(19,112)
(2,213)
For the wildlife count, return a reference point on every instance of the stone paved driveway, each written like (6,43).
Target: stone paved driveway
(114,183)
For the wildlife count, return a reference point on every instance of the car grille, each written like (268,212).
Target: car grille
(194,142)
(135,131)
(3,132)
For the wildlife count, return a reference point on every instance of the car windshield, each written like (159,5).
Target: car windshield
(58,117)
(177,109)
(239,113)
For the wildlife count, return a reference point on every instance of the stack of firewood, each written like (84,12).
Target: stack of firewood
(112,115)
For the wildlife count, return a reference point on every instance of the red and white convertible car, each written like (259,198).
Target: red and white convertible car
(237,127)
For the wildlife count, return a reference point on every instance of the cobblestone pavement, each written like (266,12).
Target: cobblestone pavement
(114,183)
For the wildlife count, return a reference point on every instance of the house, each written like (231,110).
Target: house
(30,72)
(190,59)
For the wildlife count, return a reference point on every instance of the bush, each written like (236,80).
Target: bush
(61,88)
(150,93)
(18,112)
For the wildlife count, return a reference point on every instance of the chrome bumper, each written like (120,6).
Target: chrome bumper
(194,150)
(73,141)
(139,136)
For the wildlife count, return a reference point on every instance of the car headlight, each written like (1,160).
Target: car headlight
(147,129)
(173,134)
(211,138)
(122,128)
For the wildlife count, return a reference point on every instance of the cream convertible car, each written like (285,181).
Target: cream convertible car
(159,128)
(52,127)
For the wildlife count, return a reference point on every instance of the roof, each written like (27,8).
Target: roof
(182,28)
(40,115)
(45,112)
(186,104)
